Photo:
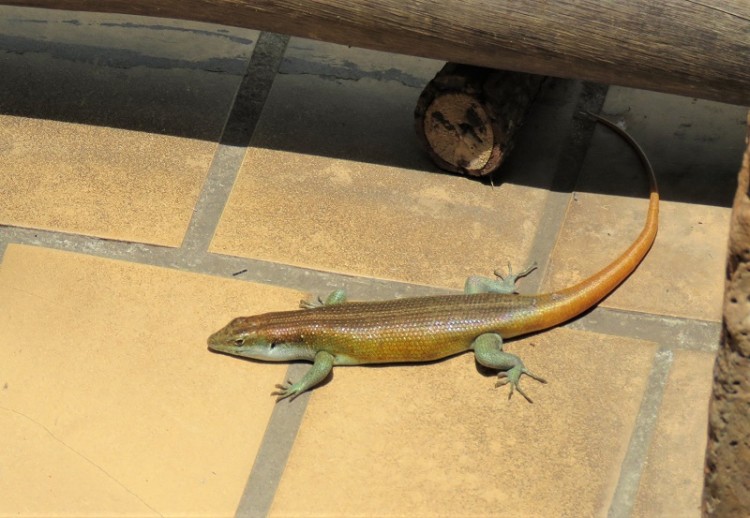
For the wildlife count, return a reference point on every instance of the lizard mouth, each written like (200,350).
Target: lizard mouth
(216,342)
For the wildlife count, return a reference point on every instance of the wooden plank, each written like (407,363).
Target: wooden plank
(688,47)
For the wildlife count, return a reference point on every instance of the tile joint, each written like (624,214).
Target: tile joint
(603,320)
(567,171)
(274,451)
(633,464)
(240,125)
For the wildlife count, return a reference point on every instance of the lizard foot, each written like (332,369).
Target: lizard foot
(287,390)
(321,368)
(335,297)
(513,378)
(505,285)
(511,279)
(488,351)
(312,302)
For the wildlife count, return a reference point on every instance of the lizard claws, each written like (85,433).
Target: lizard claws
(513,278)
(286,390)
(509,281)
(513,377)
(310,303)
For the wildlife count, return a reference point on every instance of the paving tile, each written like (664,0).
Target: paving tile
(439,439)
(108,124)
(336,180)
(672,482)
(683,274)
(110,402)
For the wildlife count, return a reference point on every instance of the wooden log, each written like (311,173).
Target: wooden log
(726,490)
(467,117)
(698,49)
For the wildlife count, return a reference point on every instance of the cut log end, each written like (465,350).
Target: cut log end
(467,117)
(459,133)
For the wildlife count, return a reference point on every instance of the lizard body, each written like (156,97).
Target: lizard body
(422,329)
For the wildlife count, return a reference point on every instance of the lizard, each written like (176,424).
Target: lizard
(422,329)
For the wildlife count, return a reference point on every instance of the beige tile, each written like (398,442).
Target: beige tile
(439,439)
(49,477)
(672,482)
(336,180)
(121,184)
(100,136)
(111,402)
(683,273)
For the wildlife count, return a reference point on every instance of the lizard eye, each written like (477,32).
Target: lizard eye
(239,341)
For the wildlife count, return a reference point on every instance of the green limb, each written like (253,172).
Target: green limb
(322,366)
(488,351)
(335,297)
(505,285)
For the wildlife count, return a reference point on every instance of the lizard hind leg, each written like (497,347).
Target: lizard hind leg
(505,284)
(488,351)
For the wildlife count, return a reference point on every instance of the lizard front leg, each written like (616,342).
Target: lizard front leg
(488,351)
(321,367)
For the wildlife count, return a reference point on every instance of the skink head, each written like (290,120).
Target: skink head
(252,338)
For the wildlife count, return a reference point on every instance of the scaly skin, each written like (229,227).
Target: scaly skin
(428,328)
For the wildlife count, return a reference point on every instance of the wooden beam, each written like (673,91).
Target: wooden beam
(688,47)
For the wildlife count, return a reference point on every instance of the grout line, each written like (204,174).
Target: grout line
(643,431)
(545,239)
(142,253)
(273,453)
(278,439)
(577,144)
(239,268)
(222,173)
(567,170)
(241,123)
(684,333)
(316,282)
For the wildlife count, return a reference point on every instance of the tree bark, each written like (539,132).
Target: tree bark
(726,490)
(687,47)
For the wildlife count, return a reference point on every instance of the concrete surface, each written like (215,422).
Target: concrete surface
(159,177)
